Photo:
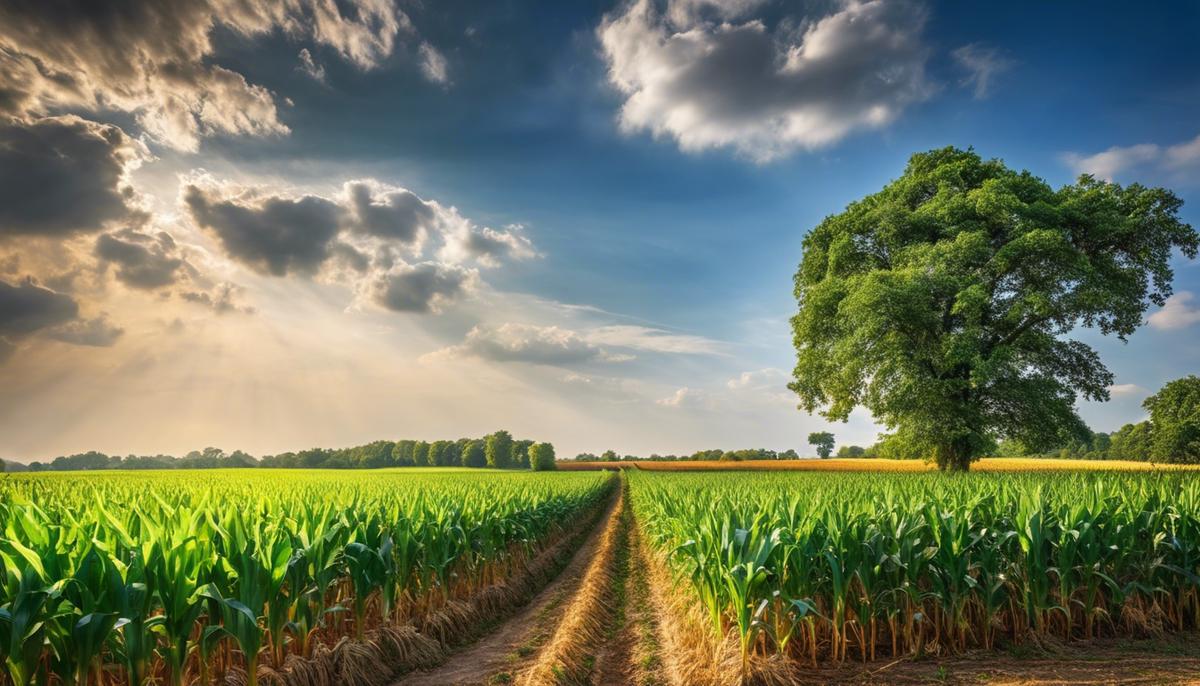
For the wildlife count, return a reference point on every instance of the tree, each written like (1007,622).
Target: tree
(498,449)
(851,451)
(402,453)
(1175,421)
(1132,442)
(942,303)
(474,455)
(421,454)
(824,442)
(609,456)
(541,457)
(3,467)
(520,454)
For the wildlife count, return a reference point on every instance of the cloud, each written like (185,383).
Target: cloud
(687,398)
(548,345)
(369,234)
(143,261)
(96,332)
(708,76)
(26,308)
(1173,160)
(222,298)
(654,340)
(272,234)
(155,59)
(982,64)
(433,64)
(1178,312)
(1126,389)
(762,379)
(64,175)
(375,209)
(309,66)
(422,288)
(487,245)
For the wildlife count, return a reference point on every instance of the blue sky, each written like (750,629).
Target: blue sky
(619,215)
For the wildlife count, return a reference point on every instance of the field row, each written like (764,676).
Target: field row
(323,578)
(202,577)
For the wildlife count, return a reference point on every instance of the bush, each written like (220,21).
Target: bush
(541,457)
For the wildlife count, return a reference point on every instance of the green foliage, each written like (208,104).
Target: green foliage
(498,449)
(1175,418)
(823,440)
(541,457)
(473,454)
(942,303)
(174,578)
(519,457)
(805,565)
(851,451)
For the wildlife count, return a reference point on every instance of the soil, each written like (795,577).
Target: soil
(1168,660)
(514,644)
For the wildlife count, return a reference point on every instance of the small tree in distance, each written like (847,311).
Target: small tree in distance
(541,457)
(823,440)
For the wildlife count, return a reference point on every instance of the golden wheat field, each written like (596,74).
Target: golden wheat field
(989,464)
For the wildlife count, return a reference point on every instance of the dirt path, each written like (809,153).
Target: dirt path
(513,645)
(630,656)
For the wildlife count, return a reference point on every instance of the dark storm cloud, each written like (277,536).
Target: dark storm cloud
(62,175)
(764,91)
(223,298)
(424,287)
(143,261)
(273,235)
(26,308)
(97,332)
(388,213)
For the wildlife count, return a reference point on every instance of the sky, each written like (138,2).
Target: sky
(270,226)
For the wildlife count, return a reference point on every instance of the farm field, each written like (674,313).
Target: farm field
(430,576)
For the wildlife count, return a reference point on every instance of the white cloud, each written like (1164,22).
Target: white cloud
(1179,312)
(687,398)
(982,64)
(769,378)
(708,76)
(1126,389)
(1178,160)
(654,340)
(486,245)
(433,65)
(309,66)
(548,345)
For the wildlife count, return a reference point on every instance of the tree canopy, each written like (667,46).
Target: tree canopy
(1175,421)
(823,440)
(541,457)
(943,303)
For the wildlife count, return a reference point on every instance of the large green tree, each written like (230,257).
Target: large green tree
(943,303)
(1175,421)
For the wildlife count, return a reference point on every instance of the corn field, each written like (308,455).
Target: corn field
(819,568)
(185,577)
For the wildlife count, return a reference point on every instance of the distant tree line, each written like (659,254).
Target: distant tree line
(707,455)
(497,450)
